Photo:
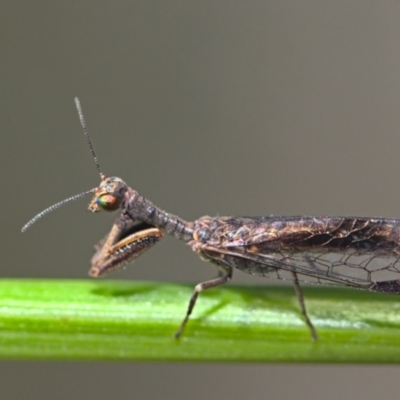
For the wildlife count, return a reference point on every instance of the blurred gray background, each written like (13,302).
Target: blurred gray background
(205,107)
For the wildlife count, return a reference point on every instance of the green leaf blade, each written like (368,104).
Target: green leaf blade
(114,320)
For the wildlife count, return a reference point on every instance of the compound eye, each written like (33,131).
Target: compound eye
(107,202)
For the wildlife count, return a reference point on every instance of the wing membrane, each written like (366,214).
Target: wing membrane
(323,267)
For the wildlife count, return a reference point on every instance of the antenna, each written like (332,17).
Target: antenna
(77,196)
(54,207)
(86,132)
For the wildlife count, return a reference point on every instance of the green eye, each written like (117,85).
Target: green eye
(107,202)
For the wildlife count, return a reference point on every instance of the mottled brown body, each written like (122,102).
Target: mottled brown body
(302,232)
(352,251)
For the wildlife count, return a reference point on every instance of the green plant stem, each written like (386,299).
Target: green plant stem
(114,320)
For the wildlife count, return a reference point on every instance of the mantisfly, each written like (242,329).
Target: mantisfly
(355,252)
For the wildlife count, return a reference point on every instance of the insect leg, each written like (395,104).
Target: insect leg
(103,247)
(224,276)
(124,243)
(300,298)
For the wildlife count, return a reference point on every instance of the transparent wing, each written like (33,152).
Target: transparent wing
(348,268)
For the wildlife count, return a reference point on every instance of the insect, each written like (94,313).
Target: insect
(355,252)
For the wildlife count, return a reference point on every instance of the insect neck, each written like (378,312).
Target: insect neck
(139,208)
